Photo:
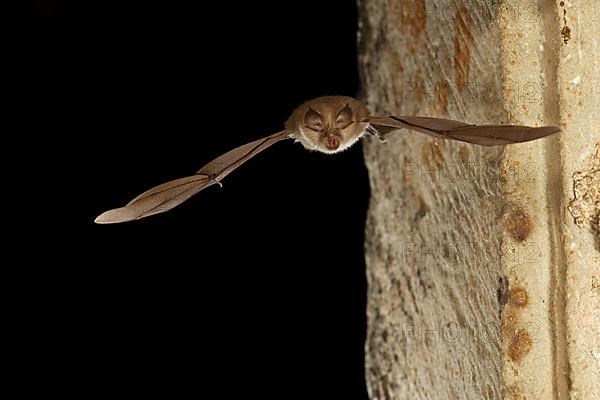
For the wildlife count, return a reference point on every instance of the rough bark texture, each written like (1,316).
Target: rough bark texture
(483,263)
(578,81)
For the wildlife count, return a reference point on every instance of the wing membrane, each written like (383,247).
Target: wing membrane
(164,197)
(484,135)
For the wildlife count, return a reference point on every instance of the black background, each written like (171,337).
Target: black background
(256,289)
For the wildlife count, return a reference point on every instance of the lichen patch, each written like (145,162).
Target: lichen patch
(585,204)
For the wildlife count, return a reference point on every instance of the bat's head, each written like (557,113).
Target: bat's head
(328,124)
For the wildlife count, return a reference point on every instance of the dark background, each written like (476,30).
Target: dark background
(257,289)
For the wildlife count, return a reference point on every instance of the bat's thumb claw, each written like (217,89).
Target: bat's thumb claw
(213,179)
(380,137)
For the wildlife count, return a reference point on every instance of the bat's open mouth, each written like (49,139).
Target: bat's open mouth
(332,142)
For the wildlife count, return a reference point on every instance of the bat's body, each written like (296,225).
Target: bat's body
(328,124)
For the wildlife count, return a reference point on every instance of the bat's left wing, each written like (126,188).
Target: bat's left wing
(168,195)
(484,135)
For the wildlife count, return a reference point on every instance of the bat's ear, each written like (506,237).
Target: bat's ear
(313,120)
(344,117)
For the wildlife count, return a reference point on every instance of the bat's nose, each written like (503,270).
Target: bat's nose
(332,142)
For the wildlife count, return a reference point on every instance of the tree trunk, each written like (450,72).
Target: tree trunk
(483,263)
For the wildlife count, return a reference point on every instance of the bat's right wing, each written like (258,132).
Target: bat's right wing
(484,135)
(168,195)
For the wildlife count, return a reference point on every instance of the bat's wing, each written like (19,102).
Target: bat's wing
(168,195)
(485,135)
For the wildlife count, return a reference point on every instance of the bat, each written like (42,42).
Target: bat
(327,124)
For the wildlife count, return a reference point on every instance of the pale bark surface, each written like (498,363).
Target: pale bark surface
(483,263)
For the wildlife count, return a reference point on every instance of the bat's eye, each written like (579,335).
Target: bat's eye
(313,120)
(344,117)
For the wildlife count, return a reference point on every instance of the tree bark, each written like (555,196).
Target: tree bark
(483,263)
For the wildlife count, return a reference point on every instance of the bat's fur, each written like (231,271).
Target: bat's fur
(328,107)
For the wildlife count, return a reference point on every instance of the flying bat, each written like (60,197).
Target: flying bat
(328,124)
